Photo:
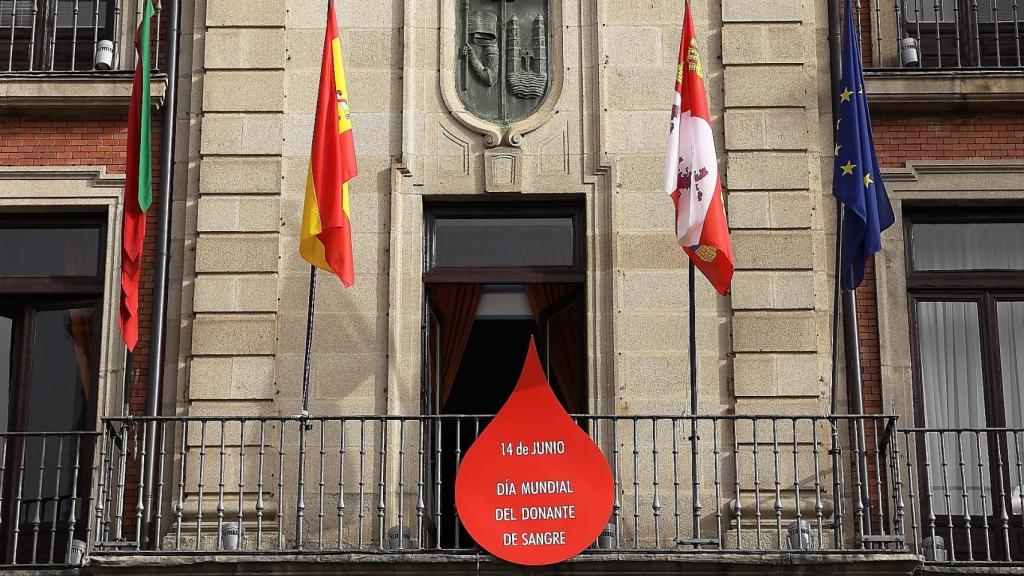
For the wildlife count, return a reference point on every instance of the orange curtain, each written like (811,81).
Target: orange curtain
(80,329)
(456,305)
(561,336)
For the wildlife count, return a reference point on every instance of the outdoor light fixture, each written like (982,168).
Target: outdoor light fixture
(399,538)
(800,535)
(104,57)
(934,549)
(910,53)
(230,536)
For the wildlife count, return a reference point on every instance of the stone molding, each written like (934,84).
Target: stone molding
(925,183)
(72,93)
(494,134)
(76,189)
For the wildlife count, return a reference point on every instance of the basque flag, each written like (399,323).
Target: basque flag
(325,239)
(857,180)
(691,170)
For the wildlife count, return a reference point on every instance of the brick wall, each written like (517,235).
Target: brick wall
(97,141)
(903,138)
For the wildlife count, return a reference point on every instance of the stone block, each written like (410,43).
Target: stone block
(777,375)
(764,250)
(637,87)
(637,133)
(240,378)
(762,44)
(243,91)
(632,44)
(236,293)
(768,86)
(240,176)
(771,129)
(764,11)
(244,48)
(775,332)
(777,290)
(238,214)
(646,212)
(253,13)
(652,251)
(237,253)
(749,210)
(234,335)
(768,171)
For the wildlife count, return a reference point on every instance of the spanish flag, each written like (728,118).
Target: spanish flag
(138,188)
(325,239)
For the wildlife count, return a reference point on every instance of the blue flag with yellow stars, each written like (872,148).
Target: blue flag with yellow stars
(857,181)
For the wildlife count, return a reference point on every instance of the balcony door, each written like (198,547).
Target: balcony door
(50,313)
(497,275)
(967,309)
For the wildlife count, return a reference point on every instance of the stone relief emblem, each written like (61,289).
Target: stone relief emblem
(504,67)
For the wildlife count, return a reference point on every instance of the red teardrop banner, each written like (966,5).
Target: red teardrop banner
(534,489)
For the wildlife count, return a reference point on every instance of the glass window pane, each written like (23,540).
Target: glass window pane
(6,368)
(49,252)
(60,388)
(988,10)
(17,11)
(62,369)
(503,242)
(949,340)
(90,13)
(1011,358)
(929,10)
(976,246)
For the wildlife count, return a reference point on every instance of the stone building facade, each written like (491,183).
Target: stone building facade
(949,139)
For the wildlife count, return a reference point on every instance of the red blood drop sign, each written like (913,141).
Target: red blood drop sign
(534,489)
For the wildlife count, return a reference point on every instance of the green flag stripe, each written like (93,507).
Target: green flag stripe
(145,137)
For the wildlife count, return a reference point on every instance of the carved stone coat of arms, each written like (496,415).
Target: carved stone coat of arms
(503,68)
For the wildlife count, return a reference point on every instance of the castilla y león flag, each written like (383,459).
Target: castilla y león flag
(138,187)
(325,239)
(691,170)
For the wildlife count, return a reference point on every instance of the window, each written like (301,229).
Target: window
(51,286)
(497,275)
(964,33)
(966,282)
(57,35)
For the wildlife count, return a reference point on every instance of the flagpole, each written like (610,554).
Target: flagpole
(308,361)
(300,501)
(693,401)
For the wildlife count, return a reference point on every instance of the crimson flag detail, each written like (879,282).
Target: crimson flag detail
(138,189)
(691,170)
(533,488)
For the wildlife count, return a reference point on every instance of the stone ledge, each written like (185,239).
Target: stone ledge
(72,93)
(647,564)
(936,91)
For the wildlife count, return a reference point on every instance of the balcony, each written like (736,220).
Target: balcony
(375,494)
(940,55)
(71,56)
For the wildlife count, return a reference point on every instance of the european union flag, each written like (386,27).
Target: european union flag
(857,181)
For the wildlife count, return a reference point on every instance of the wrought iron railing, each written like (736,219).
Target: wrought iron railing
(72,35)
(377,483)
(965,493)
(942,34)
(45,483)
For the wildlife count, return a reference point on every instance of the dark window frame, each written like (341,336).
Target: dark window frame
(574,209)
(985,288)
(56,285)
